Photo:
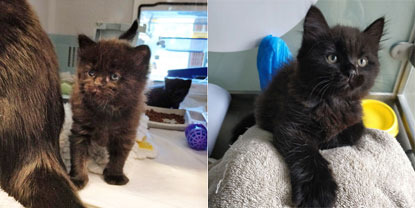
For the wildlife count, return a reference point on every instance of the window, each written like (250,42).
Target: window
(176,34)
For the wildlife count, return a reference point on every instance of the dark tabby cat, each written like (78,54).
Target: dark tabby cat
(314,103)
(107,102)
(171,95)
(31,112)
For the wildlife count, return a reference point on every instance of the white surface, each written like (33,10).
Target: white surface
(197,96)
(8,201)
(196,99)
(236,25)
(218,103)
(176,178)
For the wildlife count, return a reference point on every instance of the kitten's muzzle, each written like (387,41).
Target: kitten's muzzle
(96,90)
(98,85)
(355,79)
(350,70)
(351,75)
(349,79)
(99,82)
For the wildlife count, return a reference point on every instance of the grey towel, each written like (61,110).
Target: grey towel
(373,173)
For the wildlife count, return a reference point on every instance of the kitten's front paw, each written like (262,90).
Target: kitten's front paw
(315,193)
(115,179)
(79,181)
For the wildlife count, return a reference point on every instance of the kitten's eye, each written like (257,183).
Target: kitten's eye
(362,62)
(331,59)
(91,73)
(115,77)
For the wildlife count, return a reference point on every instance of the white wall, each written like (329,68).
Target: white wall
(41,8)
(259,17)
(80,16)
(72,17)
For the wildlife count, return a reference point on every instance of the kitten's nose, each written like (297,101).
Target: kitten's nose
(352,72)
(98,82)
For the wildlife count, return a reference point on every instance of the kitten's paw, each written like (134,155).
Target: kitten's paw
(315,193)
(79,181)
(115,179)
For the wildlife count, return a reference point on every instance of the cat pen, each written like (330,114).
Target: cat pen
(393,85)
(183,47)
(285,139)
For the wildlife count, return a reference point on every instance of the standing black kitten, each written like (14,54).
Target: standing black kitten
(107,102)
(171,95)
(314,103)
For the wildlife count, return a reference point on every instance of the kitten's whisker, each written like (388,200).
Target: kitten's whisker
(326,80)
(321,83)
(323,90)
(327,89)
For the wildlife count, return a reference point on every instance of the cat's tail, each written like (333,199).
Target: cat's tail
(242,126)
(41,182)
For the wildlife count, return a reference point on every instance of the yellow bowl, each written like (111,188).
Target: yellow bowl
(378,115)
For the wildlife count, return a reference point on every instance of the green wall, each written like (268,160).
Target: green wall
(62,43)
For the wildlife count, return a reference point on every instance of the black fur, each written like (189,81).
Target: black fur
(31,113)
(171,94)
(242,126)
(107,101)
(131,32)
(314,104)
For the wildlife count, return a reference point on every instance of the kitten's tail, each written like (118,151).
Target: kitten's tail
(42,183)
(242,126)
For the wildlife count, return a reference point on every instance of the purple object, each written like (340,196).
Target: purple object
(196,135)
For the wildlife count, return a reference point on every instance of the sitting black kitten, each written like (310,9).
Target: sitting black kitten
(314,103)
(170,95)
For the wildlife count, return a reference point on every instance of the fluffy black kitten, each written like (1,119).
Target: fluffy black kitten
(314,103)
(170,95)
(107,102)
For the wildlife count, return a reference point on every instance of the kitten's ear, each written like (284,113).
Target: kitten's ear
(84,41)
(130,34)
(375,30)
(143,51)
(314,24)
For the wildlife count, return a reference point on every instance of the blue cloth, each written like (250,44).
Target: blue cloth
(273,53)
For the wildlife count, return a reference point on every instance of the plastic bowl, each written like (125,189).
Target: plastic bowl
(378,115)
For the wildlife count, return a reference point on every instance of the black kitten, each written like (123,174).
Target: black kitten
(314,103)
(170,95)
(107,102)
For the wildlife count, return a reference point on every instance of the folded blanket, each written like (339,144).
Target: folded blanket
(373,173)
